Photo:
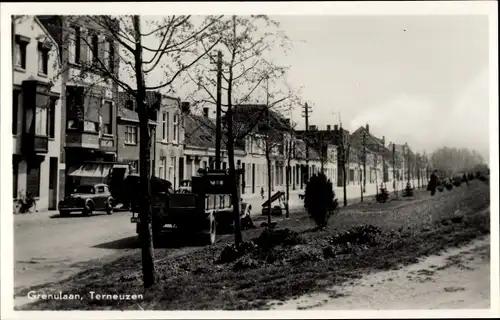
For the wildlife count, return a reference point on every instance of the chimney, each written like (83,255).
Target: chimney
(312,127)
(367,128)
(185,106)
(328,127)
(383,140)
(336,127)
(205,112)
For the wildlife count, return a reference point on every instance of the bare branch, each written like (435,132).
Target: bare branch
(182,69)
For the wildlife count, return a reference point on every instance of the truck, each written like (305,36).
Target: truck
(200,210)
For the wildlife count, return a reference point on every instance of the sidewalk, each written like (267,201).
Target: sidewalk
(353,193)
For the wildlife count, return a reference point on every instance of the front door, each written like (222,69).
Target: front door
(53,183)
(181,169)
(253,177)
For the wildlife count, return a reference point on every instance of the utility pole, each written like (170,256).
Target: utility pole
(394,169)
(407,161)
(306,111)
(364,162)
(218,133)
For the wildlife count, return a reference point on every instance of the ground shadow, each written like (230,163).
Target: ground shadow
(76,215)
(165,240)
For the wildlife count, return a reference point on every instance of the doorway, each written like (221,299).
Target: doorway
(53,170)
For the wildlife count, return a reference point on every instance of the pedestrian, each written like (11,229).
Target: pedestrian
(433,183)
(262,192)
(464,179)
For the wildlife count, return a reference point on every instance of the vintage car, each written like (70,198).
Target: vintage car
(87,199)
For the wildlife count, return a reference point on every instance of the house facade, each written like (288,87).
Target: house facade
(373,155)
(170,162)
(89,118)
(128,131)
(36,110)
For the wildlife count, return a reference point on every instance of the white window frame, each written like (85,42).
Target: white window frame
(175,127)
(131,135)
(164,126)
(41,121)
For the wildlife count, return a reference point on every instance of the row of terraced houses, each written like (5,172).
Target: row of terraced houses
(69,130)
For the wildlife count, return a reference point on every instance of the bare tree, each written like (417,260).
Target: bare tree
(344,157)
(125,52)
(245,40)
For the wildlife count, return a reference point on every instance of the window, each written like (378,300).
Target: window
(171,169)
(111,56)
(15,109)
(175,126)
(162,165)
(90,126)
(75,46)
(94,50)
(20,50)
(167,129)
(107,117)
(131,134)
(164,125)
(41,121)
(73,124)
(33,182)
(43,59)
(100,189)
(52,119)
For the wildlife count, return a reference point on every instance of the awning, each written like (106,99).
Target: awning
(91,170)
(120,166)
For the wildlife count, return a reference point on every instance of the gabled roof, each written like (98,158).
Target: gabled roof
(199,131)
(254,117)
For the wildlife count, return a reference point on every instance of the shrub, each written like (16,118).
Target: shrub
(274,237)
(457,181)
(383,195)
(319,200)
(408,191)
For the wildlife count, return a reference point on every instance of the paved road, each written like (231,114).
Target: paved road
(48,248)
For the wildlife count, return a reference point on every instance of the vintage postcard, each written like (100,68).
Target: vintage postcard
(239,160)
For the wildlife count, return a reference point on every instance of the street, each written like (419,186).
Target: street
(50,248)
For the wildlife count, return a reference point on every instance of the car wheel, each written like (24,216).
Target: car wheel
(64,213)
(109,206)
(211,234)
(87,211)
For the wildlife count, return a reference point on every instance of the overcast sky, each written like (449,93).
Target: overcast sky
(428,85)
(417,79)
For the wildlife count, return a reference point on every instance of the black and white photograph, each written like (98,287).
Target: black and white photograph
(288,158)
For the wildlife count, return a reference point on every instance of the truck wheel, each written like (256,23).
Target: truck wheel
(211,235)
(87,210)
(109,206)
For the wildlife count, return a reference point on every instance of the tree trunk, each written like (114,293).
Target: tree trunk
(269,182)
(361,184)
(235,197)
(145,216)
(344,184)
(288,171)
